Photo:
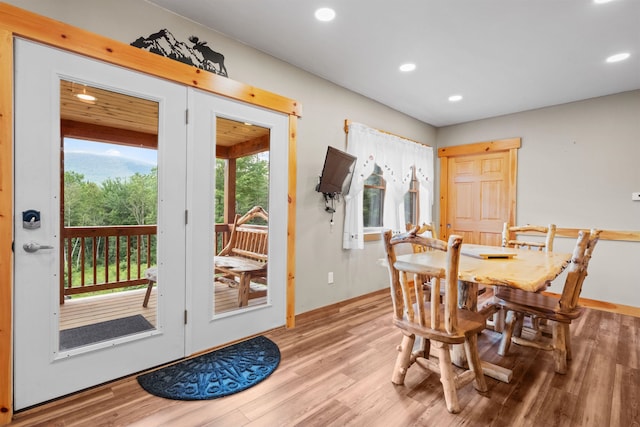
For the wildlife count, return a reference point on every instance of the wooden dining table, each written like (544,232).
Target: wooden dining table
(523,269)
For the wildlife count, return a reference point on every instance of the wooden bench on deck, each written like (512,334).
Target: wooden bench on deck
(243,261)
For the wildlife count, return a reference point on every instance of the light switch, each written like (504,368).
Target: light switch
(635,196)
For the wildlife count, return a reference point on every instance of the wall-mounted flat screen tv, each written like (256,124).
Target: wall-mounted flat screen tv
(337,172)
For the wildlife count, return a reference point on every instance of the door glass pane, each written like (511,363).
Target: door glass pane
(109,197)
(241,190)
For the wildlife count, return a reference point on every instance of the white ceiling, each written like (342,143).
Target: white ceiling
(503,56)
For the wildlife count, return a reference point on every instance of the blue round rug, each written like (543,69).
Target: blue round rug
(216,374)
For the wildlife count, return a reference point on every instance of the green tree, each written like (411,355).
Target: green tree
(252,184)
(142,197)
(73,183)
(221,166)
(82,201)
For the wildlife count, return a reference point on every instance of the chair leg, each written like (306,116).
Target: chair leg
(447,377)
(507,333)
(471,348)
(567,339)
(403,360)
(559,347)
(424,347)
(517,330)
(498,320)
(536,327)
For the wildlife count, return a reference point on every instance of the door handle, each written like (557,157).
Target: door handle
(32,247)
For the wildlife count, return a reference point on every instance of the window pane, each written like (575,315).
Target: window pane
(374,180)
(373,207)
(242,183)
(109,187)
(410,211)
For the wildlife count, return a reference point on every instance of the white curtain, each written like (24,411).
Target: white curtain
(395,156)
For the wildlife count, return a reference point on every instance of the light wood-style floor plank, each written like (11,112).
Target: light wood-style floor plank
(336,370)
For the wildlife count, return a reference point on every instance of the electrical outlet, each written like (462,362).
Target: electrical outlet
(635,196)
(330,278)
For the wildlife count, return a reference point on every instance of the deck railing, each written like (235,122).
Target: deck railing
(110,257)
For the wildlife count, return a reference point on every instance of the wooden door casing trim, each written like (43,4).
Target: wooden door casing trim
(16,22)
(291,227)
(6,225)
(480,147)
(445,153)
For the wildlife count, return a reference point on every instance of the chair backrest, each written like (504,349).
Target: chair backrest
(403,296)
(422,230)
(582,253)
(510,236)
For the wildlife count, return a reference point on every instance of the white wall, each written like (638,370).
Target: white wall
(577,168)
(576,165)
(325,106)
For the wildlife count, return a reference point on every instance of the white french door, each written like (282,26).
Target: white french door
(43,369)
(208,327)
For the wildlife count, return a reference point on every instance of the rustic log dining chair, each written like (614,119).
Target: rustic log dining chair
(560,312)
(429,230)
(440,323)
(511,236)
(425,230)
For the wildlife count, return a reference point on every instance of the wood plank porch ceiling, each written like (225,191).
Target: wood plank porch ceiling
(130,113)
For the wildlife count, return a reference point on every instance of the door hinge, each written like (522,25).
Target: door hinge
(186,116)
(185,317)
(186,216)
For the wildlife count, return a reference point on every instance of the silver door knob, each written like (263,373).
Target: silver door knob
(32,247)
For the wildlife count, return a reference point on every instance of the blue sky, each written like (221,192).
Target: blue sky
(142,154)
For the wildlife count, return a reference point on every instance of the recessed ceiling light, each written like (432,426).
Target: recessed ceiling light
(455,98)
(601,1)
(618,57)
(86,97)
(325,14)
(407,67)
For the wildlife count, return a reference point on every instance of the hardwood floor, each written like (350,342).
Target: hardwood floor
(336,370)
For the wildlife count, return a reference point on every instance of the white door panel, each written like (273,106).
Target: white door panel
(206,328)
(41,371)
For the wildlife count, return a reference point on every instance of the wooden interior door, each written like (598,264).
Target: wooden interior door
(478,190)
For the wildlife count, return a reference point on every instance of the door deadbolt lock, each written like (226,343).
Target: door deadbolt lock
(31,219)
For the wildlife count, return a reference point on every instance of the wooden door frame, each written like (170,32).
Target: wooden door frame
(445,153)
(16,22)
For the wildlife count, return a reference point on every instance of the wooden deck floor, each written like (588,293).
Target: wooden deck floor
(336,371)
(84,311)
